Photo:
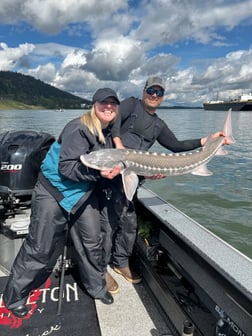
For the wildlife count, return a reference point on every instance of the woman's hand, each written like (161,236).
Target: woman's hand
(111,173)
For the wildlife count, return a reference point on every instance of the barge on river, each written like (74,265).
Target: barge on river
(242,103)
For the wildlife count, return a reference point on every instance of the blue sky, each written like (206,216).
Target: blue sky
(202,48)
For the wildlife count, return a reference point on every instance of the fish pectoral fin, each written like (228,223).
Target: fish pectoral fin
(202,171)
(221,151)
(130,183)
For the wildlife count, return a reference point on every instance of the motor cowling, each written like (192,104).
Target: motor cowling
(21,154)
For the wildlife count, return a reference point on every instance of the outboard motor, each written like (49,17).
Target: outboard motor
(21,154)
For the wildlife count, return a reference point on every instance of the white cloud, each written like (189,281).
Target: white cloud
(74,58)
(121,45)
(10,57)
(46,73)
(114,59)
(51,16)
(180,20)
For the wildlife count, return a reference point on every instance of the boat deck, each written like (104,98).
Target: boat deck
(133,313)
(189,274)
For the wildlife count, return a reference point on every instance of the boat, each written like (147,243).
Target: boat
(197,276)
(194,277)
(242,103)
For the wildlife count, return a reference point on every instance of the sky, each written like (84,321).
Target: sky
(201,48)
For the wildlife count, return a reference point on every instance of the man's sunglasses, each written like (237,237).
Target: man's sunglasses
(151,92)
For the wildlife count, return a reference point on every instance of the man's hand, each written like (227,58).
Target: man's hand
(118,143)
(111,173)
(216,135)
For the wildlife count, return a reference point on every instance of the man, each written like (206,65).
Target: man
(138,127)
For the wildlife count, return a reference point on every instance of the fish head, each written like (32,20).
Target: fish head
(109,158)
(102,159)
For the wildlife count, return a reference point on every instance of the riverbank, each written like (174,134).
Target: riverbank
(6,104)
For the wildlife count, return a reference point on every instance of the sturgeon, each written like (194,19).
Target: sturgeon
(144,163)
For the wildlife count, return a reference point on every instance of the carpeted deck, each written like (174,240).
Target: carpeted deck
(78,312)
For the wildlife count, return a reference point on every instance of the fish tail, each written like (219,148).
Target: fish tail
(227,129)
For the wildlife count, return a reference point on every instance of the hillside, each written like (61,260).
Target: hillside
(18,91)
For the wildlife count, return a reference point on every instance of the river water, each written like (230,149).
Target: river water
(221,202)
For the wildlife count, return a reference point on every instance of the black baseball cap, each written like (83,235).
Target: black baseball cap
(103,93)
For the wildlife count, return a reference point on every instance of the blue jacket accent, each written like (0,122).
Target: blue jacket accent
(72,191)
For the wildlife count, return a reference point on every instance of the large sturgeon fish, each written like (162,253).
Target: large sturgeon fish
(145,163)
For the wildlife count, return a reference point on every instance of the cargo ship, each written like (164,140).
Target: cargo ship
(242,103)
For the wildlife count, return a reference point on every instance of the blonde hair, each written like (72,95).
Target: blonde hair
(93,124)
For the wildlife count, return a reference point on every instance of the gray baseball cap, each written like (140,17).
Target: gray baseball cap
(155,80)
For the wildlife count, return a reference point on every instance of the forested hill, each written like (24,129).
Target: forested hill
(24,91)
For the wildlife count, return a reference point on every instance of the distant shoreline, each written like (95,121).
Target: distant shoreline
(6,104)
(28,107)
(180,107)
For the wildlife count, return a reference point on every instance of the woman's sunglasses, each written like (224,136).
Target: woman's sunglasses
(151,92)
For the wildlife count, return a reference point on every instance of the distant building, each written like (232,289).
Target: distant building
(86,106)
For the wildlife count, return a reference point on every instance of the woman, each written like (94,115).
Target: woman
(64,195)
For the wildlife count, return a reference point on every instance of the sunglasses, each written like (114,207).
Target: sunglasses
(151,92)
